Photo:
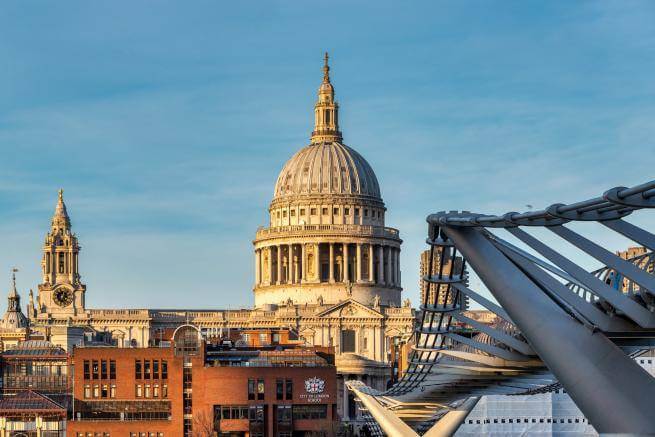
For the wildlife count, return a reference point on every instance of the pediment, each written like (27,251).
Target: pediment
(350,308)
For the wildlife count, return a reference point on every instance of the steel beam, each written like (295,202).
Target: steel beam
(386,419)
(448,424)
(613,391)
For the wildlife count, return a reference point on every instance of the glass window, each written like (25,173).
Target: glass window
(95,369)
(346,211)
(138,373)
(155,391)
(105,391)
(260,389)
(87,391)
(279,389)
(146,369)
(164,369)
(164,390)
(147,390)
(155,369)
(251,389)
(289,389)
(103,369)
(112,391)
(335,211)
(96,391)
(302,211)
(112,369)
(292,213)
(325,211)
(313,211)
(139,391)
(87,369)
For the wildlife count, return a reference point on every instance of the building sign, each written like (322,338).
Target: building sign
(314,388)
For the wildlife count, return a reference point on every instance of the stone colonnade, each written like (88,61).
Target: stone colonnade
(296,263)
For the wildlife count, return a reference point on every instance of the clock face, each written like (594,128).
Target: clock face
(63,297)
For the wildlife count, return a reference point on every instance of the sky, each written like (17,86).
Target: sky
(166,124)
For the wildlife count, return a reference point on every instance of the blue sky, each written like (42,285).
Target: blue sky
(166,123)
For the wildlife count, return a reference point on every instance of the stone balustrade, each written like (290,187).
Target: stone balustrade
(337,229)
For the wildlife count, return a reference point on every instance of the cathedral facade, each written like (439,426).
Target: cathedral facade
(326,267)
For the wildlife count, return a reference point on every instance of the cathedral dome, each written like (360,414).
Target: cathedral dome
(328,168)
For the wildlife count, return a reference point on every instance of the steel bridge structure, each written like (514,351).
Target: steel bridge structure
(558,324)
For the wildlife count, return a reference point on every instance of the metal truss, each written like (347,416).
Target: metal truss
(557,323)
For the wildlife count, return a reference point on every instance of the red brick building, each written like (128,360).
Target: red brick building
(192,388)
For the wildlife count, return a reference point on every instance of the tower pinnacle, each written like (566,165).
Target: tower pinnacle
(326,110)
(326,69)
(60,220)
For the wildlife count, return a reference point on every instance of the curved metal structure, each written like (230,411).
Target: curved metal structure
(554,315)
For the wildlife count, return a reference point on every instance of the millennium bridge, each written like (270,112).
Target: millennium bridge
(558,324)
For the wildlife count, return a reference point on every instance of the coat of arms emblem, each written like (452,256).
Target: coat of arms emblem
(314,385)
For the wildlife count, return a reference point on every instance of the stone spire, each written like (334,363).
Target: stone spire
(326,111)
(60,220)
(31,308)
(13,318)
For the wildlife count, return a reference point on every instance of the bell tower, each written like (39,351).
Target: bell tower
(61,292)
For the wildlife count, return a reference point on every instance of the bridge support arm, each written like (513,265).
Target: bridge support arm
(391,424)
(448,424)
(608,386)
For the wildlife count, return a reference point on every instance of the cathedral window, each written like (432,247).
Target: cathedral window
(335,211)
(292,213)
(61,262)
(284,214)
(347,341)
(366,213)
(325,211)
(302,211)
(346,211)
(313,211)
(356,211)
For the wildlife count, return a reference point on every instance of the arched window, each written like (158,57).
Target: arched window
(186,340)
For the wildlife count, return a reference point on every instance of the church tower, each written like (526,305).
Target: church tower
(61,293)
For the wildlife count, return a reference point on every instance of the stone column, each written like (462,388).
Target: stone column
(389,267)
(258,260)
(303,264)
(331,262)
(317,264)
(371,276)
(345,262)
(398,267)
(380,265)
(290,263)
(358,277)
(270,265)
(279,264)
